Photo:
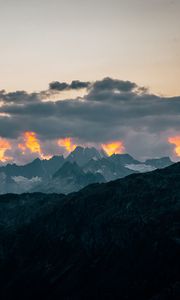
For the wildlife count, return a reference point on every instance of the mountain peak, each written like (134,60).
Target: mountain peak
(68,169)
(82,155)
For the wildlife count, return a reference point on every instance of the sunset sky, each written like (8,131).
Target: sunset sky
(54,57)
(43,40)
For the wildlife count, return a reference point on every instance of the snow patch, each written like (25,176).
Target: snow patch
(142,168)
(26,183)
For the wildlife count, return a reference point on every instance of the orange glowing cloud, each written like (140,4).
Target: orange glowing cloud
(4,146)
(32,143)
(175,141)
(22,148)
(116,147)
(67,143)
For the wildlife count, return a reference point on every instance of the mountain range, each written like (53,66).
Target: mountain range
(80,168)
(115,240)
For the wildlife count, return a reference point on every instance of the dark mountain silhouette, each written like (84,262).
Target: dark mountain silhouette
(116,240)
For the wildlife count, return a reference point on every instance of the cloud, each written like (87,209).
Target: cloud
(74,85)
(110,90)
(111,110)
(58,86)
(109,84)
(19,97)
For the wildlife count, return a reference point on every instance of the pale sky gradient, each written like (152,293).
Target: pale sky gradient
(46,40)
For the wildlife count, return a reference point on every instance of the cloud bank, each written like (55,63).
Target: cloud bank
(110,110)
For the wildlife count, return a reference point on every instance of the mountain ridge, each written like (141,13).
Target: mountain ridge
(69,178)
(41,173)
(116,240)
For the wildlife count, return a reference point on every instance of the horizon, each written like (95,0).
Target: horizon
(65,156)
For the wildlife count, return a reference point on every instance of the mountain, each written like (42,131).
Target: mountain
(119,165)
(82,155)
(20,179)
(40,168)
(110,169)
(69,169)
(123,159)
(69,178)
(159,163)
(7,183)
(116,240)
(39,174)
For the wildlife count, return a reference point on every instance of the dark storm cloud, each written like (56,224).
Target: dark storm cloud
(74,85)
(111,110)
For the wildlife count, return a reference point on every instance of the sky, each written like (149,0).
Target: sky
(43,40)
(102,73)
